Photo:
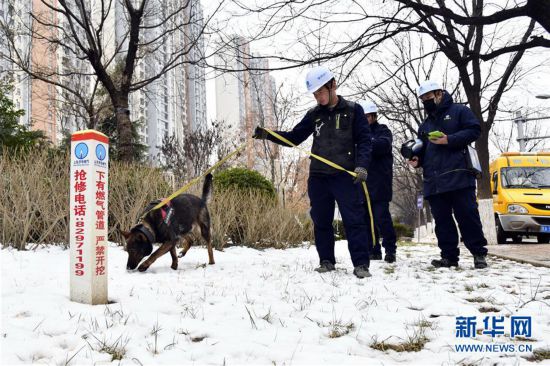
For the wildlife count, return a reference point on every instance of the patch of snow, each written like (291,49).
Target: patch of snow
(262,307)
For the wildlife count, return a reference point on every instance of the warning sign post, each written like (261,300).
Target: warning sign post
(88,217)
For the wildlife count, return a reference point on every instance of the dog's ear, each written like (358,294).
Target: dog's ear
(125,234)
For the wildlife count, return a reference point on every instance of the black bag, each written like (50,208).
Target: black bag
(472,161)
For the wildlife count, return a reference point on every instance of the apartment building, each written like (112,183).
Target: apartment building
(171,104)
(246,98)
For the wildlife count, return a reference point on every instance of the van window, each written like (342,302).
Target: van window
(525,177)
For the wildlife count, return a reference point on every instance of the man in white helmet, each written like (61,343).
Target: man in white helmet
(341,135)
(379,183)
(449,186)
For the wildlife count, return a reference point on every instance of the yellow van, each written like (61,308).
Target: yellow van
(521,196)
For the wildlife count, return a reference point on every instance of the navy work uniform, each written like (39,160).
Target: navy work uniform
(448,185)
(341,135)
(379,183)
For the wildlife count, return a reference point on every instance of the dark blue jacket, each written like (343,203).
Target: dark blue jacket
(445,165)
(380,176)
(332,138)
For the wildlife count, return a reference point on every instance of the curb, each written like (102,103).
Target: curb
(516,259)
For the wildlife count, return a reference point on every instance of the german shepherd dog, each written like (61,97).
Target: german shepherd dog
(184,218)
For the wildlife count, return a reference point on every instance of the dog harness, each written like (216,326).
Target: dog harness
(166,211)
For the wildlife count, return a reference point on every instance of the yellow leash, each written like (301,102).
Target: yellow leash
(194,180)
(242,146)
(335,166)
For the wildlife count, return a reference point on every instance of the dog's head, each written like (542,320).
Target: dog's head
(138,247)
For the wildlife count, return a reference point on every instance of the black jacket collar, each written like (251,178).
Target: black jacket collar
(342,104)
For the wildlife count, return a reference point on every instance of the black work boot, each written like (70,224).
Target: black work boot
(444,262)
(362,271)
(480,262)
(325,267)
(390,257)
(375,256)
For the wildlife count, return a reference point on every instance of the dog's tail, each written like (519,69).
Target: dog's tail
(206,187)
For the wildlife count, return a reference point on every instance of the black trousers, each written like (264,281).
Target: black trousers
(463,204)
(383,227)
(323,192)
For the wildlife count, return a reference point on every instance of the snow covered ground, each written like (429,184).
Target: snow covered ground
(267,307)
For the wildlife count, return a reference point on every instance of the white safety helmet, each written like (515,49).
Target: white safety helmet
(368,106)
(428,86)
(317,77)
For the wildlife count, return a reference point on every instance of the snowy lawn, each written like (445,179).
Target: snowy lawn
(268,307)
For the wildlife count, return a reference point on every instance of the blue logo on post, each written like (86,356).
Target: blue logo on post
(100,152)
(81,150)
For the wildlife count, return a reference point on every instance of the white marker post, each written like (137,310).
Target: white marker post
(420,206)
(88,224)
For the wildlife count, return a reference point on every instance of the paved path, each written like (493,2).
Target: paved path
(535,254)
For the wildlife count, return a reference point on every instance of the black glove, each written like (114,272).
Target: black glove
(361,175)
(260,133)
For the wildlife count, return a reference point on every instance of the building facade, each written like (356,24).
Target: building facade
(172,104)
(194,68)
(233,92)
(246,98)
(36,97)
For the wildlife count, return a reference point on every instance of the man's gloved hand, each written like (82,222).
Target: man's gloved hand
(361,175)
(260,133)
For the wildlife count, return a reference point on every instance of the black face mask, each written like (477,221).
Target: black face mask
(429,105)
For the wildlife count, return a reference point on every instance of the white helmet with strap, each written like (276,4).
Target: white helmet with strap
(317,77)
(428,86)
(368,106)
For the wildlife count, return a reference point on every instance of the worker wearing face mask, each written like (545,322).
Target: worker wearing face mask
(449,186)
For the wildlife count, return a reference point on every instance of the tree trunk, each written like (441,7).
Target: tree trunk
(124,131)
(92,121)
(482,147)
(482,143)
(540,11)
(273,172)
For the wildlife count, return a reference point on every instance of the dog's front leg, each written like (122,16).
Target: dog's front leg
(163,249)
(174,258)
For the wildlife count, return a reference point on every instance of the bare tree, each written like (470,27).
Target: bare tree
(463,47)
(402,111)
(83,110)
(368,25)
(278,111)
(538,10)
(146,38)
(264,109)
(484,54)
(505,138)
(192,156)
